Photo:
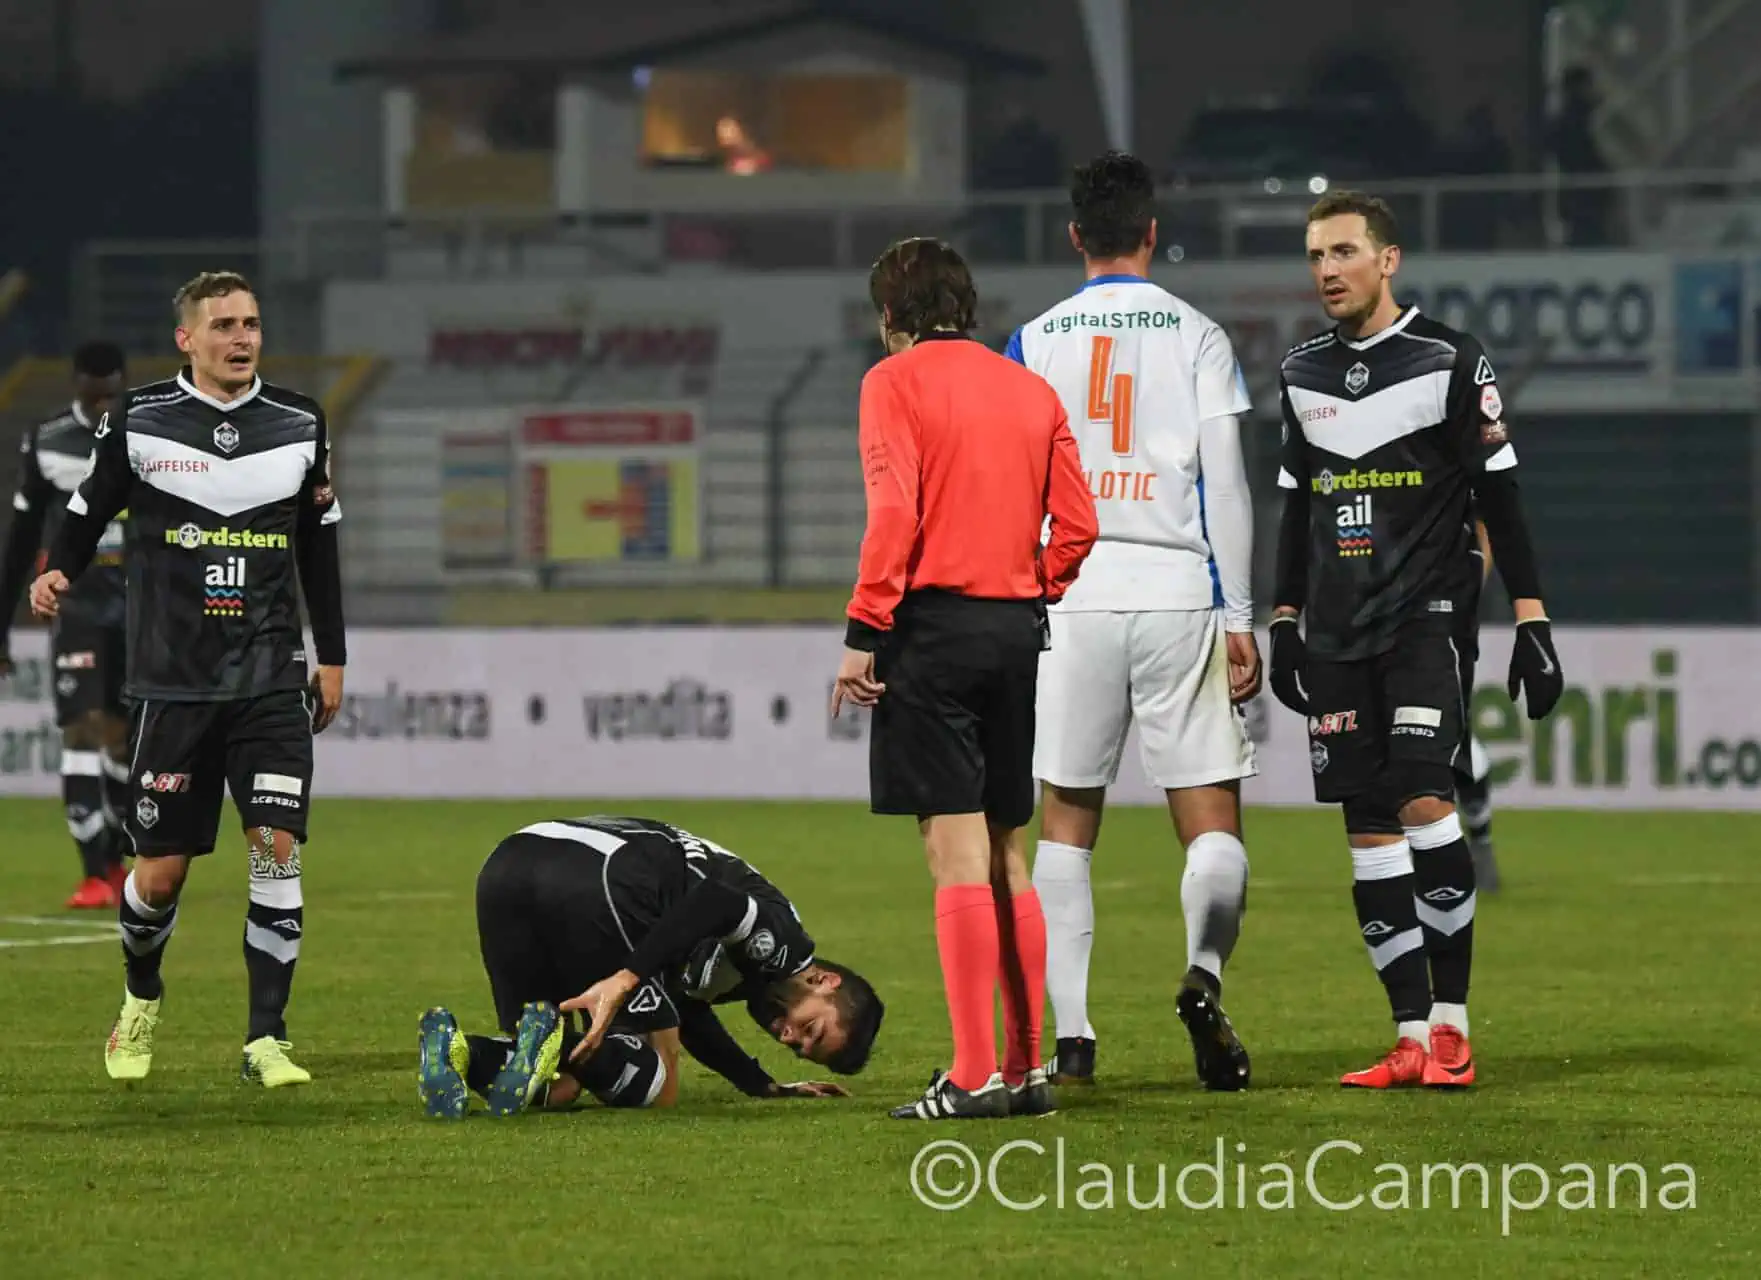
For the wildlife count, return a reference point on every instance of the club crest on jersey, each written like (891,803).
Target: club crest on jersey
(1357,378)
(226,437)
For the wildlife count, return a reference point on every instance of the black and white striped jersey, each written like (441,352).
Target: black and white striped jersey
(227,504)
(56,455)
(1388,437)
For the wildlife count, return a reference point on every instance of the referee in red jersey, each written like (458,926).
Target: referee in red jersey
(964,454)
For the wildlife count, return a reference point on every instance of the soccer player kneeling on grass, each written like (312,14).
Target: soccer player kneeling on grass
(965,455)
(642,927)
(1394,438)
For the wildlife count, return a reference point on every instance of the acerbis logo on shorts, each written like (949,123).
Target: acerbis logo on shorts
(192,536)
(1417,722)
(278,790)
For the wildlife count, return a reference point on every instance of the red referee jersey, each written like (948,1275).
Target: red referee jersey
(965,453)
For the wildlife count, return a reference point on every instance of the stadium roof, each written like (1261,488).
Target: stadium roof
(563,38)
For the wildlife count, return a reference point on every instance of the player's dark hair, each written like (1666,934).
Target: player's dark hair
(862,1011)
(1113,200)
(922,284)
(98,359)
(1378,217)
(209,284)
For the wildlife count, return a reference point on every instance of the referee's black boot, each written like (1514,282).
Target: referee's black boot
(945,1100)
(1217,1051)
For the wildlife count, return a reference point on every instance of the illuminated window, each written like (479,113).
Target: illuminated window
(750,124)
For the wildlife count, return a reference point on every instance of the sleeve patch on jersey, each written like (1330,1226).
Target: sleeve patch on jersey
(1494,433)
(1285,479)
(1491,403)
(1483,373)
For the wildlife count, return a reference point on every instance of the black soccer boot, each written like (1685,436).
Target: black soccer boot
(1033,1096)
(1216,1050)
(1073,1062)
(945,1100)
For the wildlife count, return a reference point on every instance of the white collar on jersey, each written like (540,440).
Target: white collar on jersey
(1384,335)
(189,389)
(79,415)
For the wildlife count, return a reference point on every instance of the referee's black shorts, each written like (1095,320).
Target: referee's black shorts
(953,733)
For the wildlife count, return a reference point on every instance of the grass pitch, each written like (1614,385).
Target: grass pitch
(1615,1022)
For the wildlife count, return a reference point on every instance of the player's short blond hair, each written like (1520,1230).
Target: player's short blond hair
(209,284)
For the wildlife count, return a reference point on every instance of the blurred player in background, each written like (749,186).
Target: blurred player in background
(965,456)
(1159,629)
(1473,770)
(226,480)
(1394,440)
(88,642)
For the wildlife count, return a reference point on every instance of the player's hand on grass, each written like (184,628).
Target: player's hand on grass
(808,1089)
(856,682)
(46,592)
(1289,657)
(1534,666)
(1244,666)
(600,1002)
(327,693)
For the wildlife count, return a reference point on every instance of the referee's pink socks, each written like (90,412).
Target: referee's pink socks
(966,936)
(1022,1035)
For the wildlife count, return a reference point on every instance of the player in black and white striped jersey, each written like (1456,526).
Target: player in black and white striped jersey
(88,643)
(643,927)
(226,480)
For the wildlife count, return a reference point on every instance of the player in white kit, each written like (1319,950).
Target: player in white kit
(1159,627)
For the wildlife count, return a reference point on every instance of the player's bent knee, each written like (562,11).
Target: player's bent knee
(1418,790)
(87,732)
(625,1071)
(275,870)
(1370,815)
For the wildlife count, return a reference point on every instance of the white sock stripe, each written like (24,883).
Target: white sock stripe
(137,904)
(271,943)
(1382,861)
(279,895)
(1435,835)
(82,764)
(1450,921)
(88,827)
(1386,953)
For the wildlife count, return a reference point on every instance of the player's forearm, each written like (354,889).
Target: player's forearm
(710,910)
(22,543)
(1228,517)
(708,1041)
(1290,592)
(1500,507)
(880,577)
(320,563)
(76,544)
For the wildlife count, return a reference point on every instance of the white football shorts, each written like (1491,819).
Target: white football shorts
(1168,670)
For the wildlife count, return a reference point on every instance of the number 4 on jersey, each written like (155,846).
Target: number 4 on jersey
(1109,395)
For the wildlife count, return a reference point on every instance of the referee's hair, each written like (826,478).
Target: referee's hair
(1378,217)
(922,284)
(209,284)
(1113,198)
(862,1012)
(97,359)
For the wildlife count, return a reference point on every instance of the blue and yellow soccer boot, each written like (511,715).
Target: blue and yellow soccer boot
(445,1058)
(538,1050)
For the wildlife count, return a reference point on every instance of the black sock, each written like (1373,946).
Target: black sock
(625,1071)
(1387,917)
(274,923)
(1443,878)
(144,934)
(115,793)
(82,795)
(489,1054)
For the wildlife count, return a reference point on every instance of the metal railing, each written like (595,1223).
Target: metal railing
(1503,212)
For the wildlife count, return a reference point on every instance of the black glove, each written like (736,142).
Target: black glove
(1289,657)
(1534,665)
